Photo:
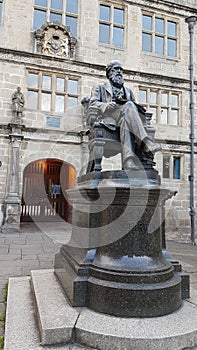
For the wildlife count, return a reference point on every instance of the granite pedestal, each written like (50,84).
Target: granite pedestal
(113,263)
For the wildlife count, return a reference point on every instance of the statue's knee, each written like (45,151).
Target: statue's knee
(128,106)
(128,109)
(129,103)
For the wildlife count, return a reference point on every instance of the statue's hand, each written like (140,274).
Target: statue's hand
(120,100)
(110,107)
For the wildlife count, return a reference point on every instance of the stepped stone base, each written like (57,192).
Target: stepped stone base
(37,305)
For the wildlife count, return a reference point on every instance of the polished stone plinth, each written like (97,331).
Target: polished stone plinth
(113,263)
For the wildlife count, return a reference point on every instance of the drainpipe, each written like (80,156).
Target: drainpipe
(191,21)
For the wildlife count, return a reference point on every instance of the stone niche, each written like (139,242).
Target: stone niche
(53,38)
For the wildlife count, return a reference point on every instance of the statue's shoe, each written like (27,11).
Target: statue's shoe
(130,165)
(151,147)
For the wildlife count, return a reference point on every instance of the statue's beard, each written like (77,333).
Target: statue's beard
(117,80)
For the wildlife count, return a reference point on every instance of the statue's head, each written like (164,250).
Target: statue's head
(114,73)
(18,89)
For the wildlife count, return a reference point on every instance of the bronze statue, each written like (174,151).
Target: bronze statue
(117,106)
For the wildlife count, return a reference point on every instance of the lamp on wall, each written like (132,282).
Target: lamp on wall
(191,21)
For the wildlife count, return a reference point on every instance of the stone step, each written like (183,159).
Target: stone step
(21,332)
(176,331)
(56,318)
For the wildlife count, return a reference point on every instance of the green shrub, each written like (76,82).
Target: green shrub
(1,342)
(5,290)
(3,316)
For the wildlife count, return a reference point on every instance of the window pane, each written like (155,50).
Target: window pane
(146,42)
(60,84)
(46,82)
(164,99)
(153,97)
(32,100)
(59,104)
(72,6)
(171,28)
(164,116)
(42,3)
(55,17)
(176,169)
(166,167)
(46,102)
(118,16)
(56,4)
(142,96)
(147,22)
(159,25)
(33,80)
(171,47)
(73,86)
(173,120)
(154,112)
(174,100)
(104,33)
(118,35)
(105,13)
(72,23)
(39,18)
(72,105)
(159,45)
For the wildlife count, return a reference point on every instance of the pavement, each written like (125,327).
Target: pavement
(35,246)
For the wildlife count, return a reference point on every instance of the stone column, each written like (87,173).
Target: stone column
(12,203)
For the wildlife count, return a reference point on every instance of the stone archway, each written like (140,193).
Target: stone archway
(44,185)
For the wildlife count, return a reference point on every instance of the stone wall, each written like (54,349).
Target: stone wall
(18,55)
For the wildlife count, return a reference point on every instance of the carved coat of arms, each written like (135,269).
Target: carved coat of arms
(55,39)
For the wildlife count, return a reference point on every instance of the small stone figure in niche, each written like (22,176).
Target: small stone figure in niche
(18,102)
(116,102)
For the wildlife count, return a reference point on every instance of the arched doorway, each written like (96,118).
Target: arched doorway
(44,185)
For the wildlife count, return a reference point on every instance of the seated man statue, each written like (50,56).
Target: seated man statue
(115,102)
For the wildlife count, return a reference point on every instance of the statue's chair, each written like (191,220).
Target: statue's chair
(104,136)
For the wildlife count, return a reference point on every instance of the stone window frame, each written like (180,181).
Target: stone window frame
(64,14)
(164,35)
(53,92)
(171,171)
(158,107)
(111,23)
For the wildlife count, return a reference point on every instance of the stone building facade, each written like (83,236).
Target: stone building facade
(55,51)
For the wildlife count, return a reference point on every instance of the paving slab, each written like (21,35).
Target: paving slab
(9,271)
(15,251)
(4,250)
(8,257)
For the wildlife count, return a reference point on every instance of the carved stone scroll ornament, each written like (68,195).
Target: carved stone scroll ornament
(55,39)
